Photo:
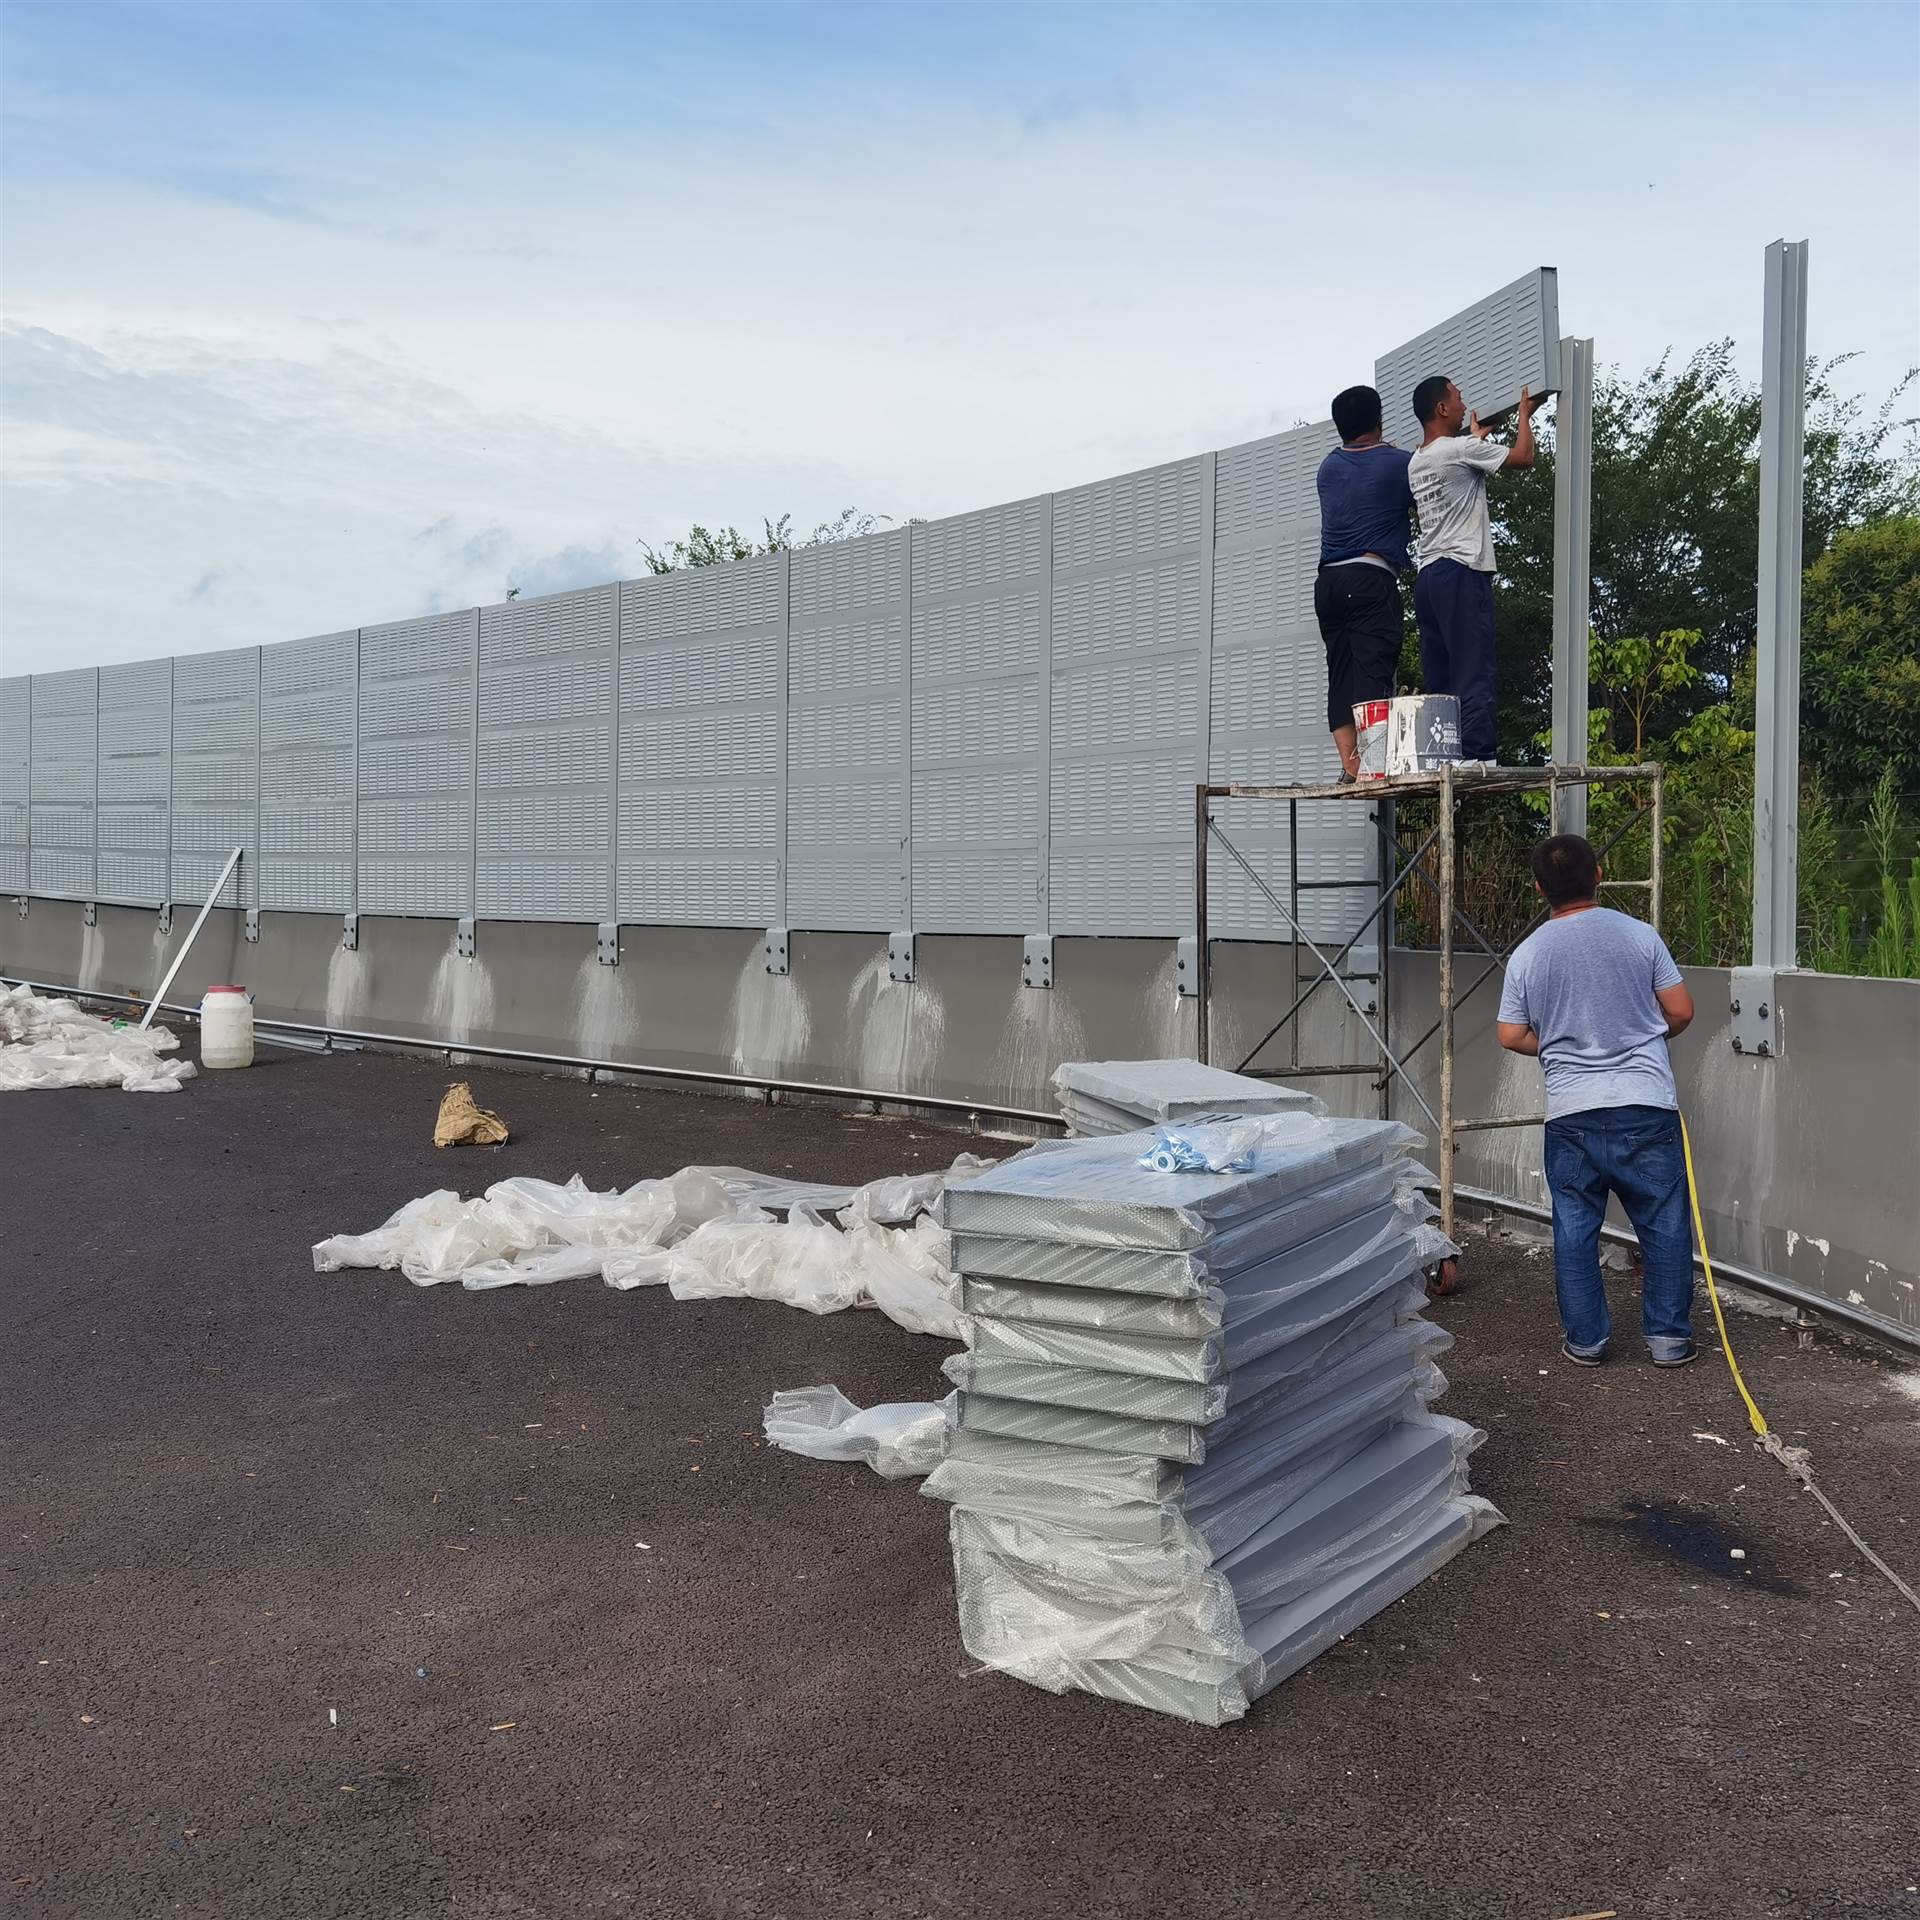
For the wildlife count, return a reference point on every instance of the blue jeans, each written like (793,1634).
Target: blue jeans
(1634,1152)
(1454,606)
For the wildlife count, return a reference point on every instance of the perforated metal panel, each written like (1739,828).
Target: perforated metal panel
(981,605)
(1490,351)
(216,773)
(16,790)
(136,745)
(700,745)
(849,810)
(547,693)
(416,766)
(1269,695)
(308,728)
(65,735)
(1129,625)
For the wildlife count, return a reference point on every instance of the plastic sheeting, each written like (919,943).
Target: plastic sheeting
(704,1233)
(1195,1401)
(899,1441)
(51,1042)
(1119,1096)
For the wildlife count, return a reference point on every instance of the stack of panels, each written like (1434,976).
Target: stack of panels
(1119,1096)
(1193,1444)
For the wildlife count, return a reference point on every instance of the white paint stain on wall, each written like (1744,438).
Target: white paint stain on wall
(599,1013)
(895,1028)
(769,1022)
(460,1001)
(346,987)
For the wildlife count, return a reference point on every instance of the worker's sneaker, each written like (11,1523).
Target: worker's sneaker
(1568,1351)
(1677,1357)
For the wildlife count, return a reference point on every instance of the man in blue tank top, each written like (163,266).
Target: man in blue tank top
(1364,503)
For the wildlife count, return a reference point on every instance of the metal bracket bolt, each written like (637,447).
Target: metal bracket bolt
(1187,967)
(20,905)
(900,957)
(1036,960)
(253,926)
(166,921)
(90,915)
(1754,1006)
(774,948)
(350,933)
(607,943)
(463,939)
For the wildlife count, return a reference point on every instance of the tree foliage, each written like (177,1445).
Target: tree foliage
(1676,512)
(716,546)
(1860,656)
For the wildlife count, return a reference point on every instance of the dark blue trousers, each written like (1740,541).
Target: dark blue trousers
(1454,606)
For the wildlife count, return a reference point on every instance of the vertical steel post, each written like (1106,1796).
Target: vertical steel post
(1447,856)
(1293,907)
(1656,860)
(1202,980)
(1386,855)
(1776,756)
(1572,563)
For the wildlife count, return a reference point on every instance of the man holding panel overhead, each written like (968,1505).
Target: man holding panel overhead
(1453,593)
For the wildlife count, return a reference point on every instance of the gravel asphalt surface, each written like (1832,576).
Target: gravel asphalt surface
(327,1595)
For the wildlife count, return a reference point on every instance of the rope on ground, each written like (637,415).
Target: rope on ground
(1797,1461)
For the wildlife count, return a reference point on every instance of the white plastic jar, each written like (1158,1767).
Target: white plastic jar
(226,1028)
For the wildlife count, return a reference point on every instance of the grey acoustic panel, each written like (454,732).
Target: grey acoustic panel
(1269,695)
(701,688)
(547,692)
(849,808)
(135,783)
(216,774)
(416,760)
(1490,351)
(308,742)
(980,610)
(61,782)
(16,781)
(1128,633)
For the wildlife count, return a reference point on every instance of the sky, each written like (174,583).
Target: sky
(318,315)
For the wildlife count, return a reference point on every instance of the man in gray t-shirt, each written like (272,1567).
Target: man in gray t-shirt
(1596,995)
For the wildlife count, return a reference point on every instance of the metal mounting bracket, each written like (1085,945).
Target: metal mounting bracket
(463,939)
(253,926)
(166,921)
(775,948)
(900,957)
(1758,1031)
(20,905)
(349,933)
(90,915)
(1187,971)
(607,943)
(1036,960)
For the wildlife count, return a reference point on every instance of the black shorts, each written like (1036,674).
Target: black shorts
(1358,608)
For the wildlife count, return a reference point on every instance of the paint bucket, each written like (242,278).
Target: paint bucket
(1414,734)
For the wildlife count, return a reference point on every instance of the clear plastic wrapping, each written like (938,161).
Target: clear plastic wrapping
(1189,1274)
(1140,1092)
(898,1441)
(1095,1193)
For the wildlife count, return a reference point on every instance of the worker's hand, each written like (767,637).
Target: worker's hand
(1475,428)
(1527,403)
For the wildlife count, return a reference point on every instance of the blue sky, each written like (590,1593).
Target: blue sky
(319,315)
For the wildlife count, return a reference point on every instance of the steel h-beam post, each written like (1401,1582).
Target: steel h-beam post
(1776,756)
(1572,562)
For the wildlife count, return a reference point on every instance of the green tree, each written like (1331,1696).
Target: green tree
(1860,656)
(1676,511)
(717,546)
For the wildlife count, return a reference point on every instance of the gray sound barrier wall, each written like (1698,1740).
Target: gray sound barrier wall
(989,723)
(1490,351)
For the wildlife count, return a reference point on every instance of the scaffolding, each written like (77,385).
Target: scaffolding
(1448,786)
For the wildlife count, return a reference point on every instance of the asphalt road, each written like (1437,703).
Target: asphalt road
(326,1595)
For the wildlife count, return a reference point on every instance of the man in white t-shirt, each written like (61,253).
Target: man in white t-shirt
(1453,593)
